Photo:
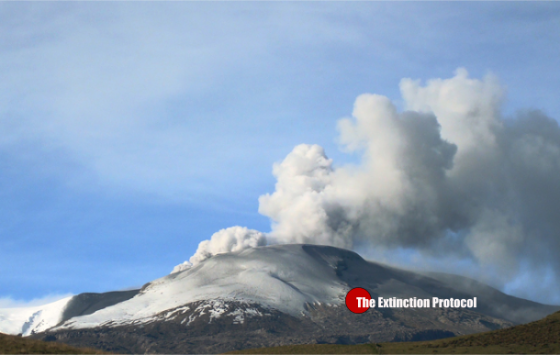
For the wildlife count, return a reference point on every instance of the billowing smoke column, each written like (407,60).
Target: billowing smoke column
(448,176)
(224,241)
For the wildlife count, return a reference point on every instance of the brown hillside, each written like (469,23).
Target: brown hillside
(10,344)
(539,337)
(544,331)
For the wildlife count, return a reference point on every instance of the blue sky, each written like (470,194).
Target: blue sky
(131,131)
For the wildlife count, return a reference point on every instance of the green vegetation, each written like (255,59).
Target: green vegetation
(540,337)
(313,349)
(10,344)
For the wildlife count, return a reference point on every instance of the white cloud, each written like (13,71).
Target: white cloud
(450,176)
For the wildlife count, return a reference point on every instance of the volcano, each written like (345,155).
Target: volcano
(269,296)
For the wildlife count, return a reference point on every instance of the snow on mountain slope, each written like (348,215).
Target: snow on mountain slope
(282,277)
(253,282)
(27,320)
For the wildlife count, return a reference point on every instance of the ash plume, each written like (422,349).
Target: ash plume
(448,177)
(224,241)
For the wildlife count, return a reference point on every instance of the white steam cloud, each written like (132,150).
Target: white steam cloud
(448,176)
(224,241)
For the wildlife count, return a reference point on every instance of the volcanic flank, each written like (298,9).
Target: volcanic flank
(268,296)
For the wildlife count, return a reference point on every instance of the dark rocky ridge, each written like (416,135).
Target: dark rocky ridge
(383,280)
(88,303)
(322,324)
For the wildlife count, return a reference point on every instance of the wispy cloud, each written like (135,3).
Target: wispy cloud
(132,94)
(161,98)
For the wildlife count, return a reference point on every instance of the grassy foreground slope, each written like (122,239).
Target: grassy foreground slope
(10,344)
(540,337)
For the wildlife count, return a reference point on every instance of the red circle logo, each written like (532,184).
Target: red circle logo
(358,300)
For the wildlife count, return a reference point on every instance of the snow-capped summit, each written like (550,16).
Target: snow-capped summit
(28,320)
(266,281)
(282,277)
